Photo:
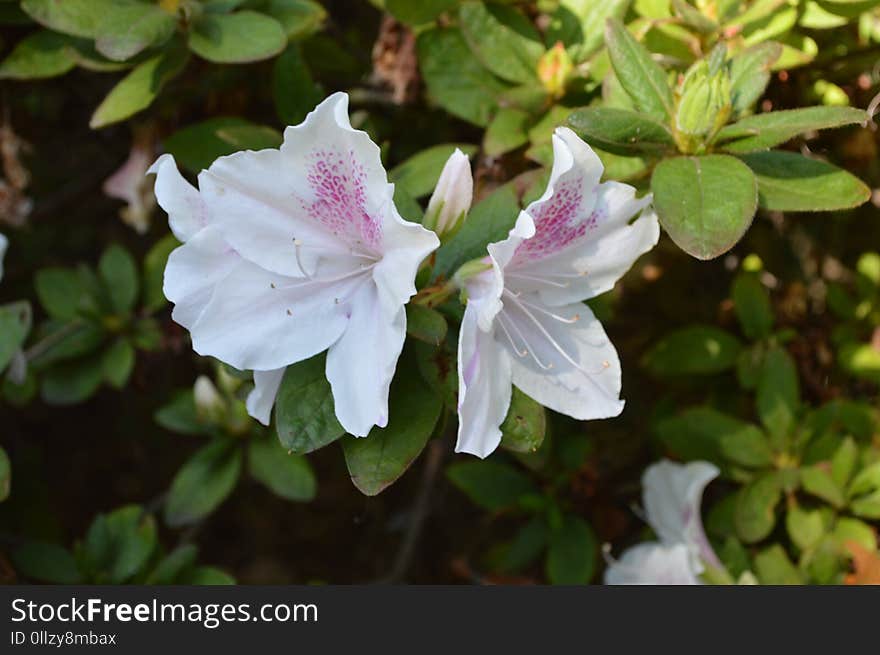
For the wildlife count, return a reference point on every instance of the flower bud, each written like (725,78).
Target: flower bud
(452,197)
(210,405)
(554,69)
(704,104)
(3,244)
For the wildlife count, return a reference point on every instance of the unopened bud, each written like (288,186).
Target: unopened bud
(704,103)
(210,405)
(554,69)
(452,197)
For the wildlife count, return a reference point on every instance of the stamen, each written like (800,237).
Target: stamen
(297,244)
(605,365)
(329,280)
(528,348)
(532,278)
(521,353)
(538,308)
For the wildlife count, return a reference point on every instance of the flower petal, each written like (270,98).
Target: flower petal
(192,272)
(360,365)
(187,212)
(591,265)
(562,357)
(652,563)
(406,246)
(262,398)
(566,210)
(260,320)
(484,386)
(672,494)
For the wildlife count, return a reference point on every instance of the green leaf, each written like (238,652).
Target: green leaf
(788,181)
(778,393)
(238,38)
(844,461)
(694,350)
(59,291)
(117,545)
(131,27)
(15,323)
(180,415)
(525,425)
(137,90)
(208,575)
(489,220)
(817,480)
(73,382)
(763,131)
(491,484)
(154,272)
(379,459)
(864,492)
(118,363)
(204,481)
(752,305)
(5,475)
(621,131)
(250,137)
(506,132)
(571,556)
(805,528)
(850,529)
(47,563)
(640,76)
(174,565)
(38,56)
(524,548)
(705,204)
(579,24)
(750,74)
(499,43)
(298,18)
(755,513)
(861,360)
(774,568)
(747,446)
(425,324)
(696,433)
(119,273)
(195,147)
(455,79)
(304,410)
(286,475)
(293,89)
(419,173)
(75,17)
(418,13)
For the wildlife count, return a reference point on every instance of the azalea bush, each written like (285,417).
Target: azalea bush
(556,291)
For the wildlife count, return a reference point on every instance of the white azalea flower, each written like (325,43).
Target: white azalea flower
(293,251)
(672,495)
(452,197)
(4,244)
(525,323)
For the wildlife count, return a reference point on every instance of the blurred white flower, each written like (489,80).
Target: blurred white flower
(525,322)
(672,495)
(129,184)
(4,244)
(294,251)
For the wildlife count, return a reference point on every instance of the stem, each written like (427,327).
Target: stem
(52,339)
(419,512)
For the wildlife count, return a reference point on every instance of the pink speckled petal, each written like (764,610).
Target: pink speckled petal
(192,272)
(570,367)
(565,212)
(187,212)
(484,386)
(361,364)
